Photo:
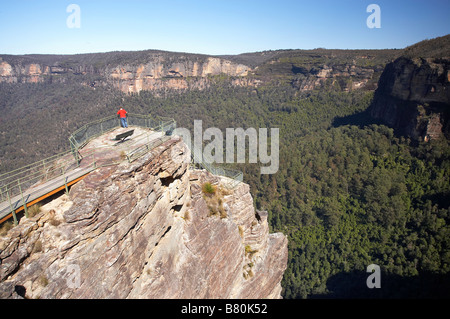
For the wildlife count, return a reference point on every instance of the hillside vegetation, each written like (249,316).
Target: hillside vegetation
(345,195)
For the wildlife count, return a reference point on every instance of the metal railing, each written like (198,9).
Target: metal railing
(235,176)
(94,129)
(136,153)
(23,186)
(22,178)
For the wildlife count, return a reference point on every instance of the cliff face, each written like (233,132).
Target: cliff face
(32,73)
(145,230)
(183,73)
(131,72)
(160,71)
(160,74)
(413,96)
(344,70)
(348,76)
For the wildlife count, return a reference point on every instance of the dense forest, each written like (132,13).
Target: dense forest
(347,196)
(349,192)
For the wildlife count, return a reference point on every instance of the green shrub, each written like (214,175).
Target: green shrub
(208,189)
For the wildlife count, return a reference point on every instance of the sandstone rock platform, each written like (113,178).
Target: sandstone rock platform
(145,229)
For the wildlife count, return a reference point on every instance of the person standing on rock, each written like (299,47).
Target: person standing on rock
(122,115)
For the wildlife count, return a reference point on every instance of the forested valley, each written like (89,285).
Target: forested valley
(347,196)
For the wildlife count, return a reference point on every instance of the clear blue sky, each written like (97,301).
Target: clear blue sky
(216,26)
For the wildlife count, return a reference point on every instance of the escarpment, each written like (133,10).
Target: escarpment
(414,97)
(145,229)
(155,71)
(413,94)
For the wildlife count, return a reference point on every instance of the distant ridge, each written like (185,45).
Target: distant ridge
(432,48)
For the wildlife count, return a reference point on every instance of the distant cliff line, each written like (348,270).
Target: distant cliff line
(132,72)
(161,71)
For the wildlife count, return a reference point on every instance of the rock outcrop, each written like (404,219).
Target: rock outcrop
(160,73)
(413,94)
(348,77)
(318,69)
(145,229)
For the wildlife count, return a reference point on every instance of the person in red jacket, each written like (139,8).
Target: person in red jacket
(122,115)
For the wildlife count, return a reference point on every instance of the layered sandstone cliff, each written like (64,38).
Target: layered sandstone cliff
(132,72)
(157,71)
(413,96)
(348,77)
(145,230)
(181,73)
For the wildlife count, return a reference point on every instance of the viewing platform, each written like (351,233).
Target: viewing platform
(97,144)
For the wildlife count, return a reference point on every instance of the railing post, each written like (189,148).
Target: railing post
(12,210)
(65,184)
(25,208)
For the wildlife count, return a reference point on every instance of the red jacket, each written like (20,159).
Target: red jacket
(122,113)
